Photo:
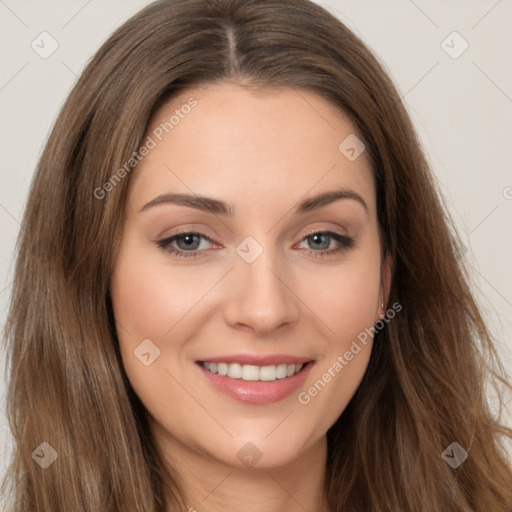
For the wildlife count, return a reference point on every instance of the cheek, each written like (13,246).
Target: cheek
(345,355)
(333,384)
(355,305)
(149,299)
(148,304)
(344,298)
(348,307)
(153,300)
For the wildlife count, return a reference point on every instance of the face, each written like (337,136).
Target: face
(248,270)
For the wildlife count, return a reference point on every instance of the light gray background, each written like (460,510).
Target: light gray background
(461,107)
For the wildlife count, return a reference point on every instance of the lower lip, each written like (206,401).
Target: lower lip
(257,392)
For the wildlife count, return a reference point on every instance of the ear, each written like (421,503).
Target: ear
(386,273)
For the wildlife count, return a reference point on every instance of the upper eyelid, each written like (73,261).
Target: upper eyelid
(340,229)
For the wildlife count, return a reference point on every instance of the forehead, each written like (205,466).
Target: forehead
(239,144)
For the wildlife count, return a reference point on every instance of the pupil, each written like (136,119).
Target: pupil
(317,239)
(188,240)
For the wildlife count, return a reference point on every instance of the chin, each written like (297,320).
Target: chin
(261,452)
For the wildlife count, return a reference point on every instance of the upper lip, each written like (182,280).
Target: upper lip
(258,360)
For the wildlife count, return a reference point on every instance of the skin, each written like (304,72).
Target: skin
(261,152)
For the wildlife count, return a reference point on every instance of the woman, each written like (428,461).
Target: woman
(245,292)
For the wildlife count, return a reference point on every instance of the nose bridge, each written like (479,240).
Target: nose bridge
(259,298)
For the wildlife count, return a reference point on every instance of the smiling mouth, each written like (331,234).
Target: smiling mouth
(253,373)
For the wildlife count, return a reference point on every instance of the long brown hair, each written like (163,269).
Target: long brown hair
(425,386)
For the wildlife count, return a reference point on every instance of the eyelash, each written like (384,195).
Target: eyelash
(345,241)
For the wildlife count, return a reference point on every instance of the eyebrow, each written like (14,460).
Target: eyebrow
(217,207)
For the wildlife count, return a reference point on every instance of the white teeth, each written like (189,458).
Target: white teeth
(251,372)
(235,371)
(268,373)
(281,371)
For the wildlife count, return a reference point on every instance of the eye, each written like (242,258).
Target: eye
(187,243)
(319,241)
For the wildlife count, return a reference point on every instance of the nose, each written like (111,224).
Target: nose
(259,298)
